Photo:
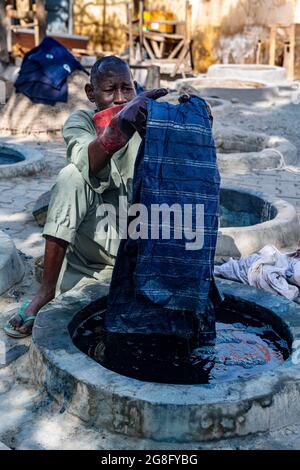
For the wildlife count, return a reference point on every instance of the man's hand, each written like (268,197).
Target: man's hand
(184,98)
(130,118)
(113,133)
(134,114)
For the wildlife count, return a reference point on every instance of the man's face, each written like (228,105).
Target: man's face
(114,86)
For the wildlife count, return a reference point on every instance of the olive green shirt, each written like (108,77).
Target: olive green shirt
(84,210)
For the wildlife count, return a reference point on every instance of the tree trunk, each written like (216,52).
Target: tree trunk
(4,57)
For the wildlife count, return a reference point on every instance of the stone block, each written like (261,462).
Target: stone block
(40,209)
(10,355)
(11,265)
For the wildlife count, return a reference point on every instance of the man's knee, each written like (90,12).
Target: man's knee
(70,191)
(70,177)
(69,203)
(70,184)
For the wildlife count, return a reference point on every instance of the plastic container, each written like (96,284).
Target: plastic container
(153,19)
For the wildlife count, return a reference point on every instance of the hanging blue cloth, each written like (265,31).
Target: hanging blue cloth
(44,72)
(158,285)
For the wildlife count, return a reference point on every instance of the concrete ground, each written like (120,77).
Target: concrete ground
(280,118)
(29,418)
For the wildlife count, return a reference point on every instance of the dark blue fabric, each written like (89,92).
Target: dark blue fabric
(139,88)
(157,285)
(38,93)
(44,72)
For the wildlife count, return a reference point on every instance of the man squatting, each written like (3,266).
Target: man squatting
(99,171)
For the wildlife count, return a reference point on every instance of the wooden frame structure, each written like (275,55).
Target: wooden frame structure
(289,52)
(155,43)
(28,15)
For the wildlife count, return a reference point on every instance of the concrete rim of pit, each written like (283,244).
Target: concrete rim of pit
(33,161)
(268,73)
(162,412)
(268,91)
(218,105)
(11,266)
(282,231)
(277,153)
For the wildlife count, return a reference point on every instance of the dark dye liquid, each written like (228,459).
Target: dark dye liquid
(10,158)
(244,348)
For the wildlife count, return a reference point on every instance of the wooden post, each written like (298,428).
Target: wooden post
(4,57)
(186,50)
(71,17)
(188,19)
(130,26)
(291,63)
(141,24)
(136,6)
(297,53)
(272,44)
(258,52)
(189,32)
(41,21)
(103,23)
(153,77)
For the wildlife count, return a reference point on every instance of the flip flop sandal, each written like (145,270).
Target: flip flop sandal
(10,331)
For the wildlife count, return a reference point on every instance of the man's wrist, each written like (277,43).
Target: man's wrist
(113,139)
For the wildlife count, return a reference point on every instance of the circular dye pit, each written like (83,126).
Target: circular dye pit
(228,83)
(19,160)
(231,88)
(10,157)
(241,152)
(244,348)
(217,105)
(243,209)
(249,220)
(267,73)
(252,388)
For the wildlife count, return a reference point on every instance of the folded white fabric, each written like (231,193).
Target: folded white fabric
(236,270)
(269,269)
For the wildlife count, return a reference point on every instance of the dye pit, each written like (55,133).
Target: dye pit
(243,210)
(226,83)
(229,217)
(244,347)
(7,158)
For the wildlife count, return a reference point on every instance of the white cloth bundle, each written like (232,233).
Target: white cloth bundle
(269,269)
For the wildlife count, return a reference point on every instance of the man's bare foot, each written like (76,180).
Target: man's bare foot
(32,309)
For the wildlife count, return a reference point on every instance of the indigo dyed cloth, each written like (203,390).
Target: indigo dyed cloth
(158,286)
(44,72)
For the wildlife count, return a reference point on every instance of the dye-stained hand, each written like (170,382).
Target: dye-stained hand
(116,125)
(134,114)
(184,98)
